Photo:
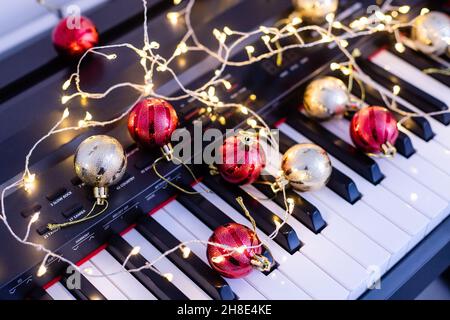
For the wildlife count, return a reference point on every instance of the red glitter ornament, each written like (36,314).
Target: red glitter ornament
(374,130)
(234,264)
(152,122)
(74,38)
(242,160)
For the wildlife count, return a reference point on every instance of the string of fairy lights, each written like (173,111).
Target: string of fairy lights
(229,42)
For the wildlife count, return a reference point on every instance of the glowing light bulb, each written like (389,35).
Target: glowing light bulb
(404,9)
(111,56)
(252,123)
(424,11)
(173,17)
(35,217)
(135,251)
(41,271)
(227,31)
(64,99)
(396,90)
(335,66)
(66,84)
(218,259)
(168,276)
(29,182)
(186,252)
(241,249)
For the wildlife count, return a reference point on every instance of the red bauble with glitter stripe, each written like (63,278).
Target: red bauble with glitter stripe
(373,127)
(241,160)
(152,121)
(73,36)
(233,264)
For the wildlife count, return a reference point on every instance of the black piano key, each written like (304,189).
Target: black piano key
(410,93)
(38,293)
(420,126)
(265,220)
(422,62)
(204,210)
(162,288)
(341,184)
(344,187)
(341,150)
(404,145)
(198,271)
(304,211)
(85,291)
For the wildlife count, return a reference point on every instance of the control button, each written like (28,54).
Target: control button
(30,211)
(72,211)
(55,195)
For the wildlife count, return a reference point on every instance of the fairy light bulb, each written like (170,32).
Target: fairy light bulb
(186,252)
(135,251)
(29,182)
(168,276)
(41,271)
(35,217)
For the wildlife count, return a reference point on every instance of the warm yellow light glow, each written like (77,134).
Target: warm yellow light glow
(66,85)
(424,11)
(168,276)
(173,17)
(404,9)
(29,182)
(400,47)
(35,217)
(335,66)
(218,259)
(64,99)
(186,252)
(135,251)
(396,90)
(41,271)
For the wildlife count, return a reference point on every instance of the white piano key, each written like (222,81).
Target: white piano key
(126,282)
(106,287)
(169,219)
(180,280)
(344,235)
(392,208)
(400,183)
(411,74)
(430,153)
(313,284)
(351,281)
(323,247)
(360,215)
(58,292)
(274,287)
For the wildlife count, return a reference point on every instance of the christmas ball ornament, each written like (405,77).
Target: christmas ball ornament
(306,167)
(241,160)
(315,10)
(100,162)
(326,98)
(374,130)
(244,255)
(74,36)
(151,123)
(431,32)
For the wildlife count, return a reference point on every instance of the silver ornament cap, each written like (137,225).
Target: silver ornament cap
(100,161)
(307,167)
(326,98)
(315,10)
(431,32)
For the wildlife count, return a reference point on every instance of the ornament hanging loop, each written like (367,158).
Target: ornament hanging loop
(280,184)
(167,151)
(100,194)
(389,150)
(261,262)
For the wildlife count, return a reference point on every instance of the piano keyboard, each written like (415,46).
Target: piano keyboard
(339,241)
